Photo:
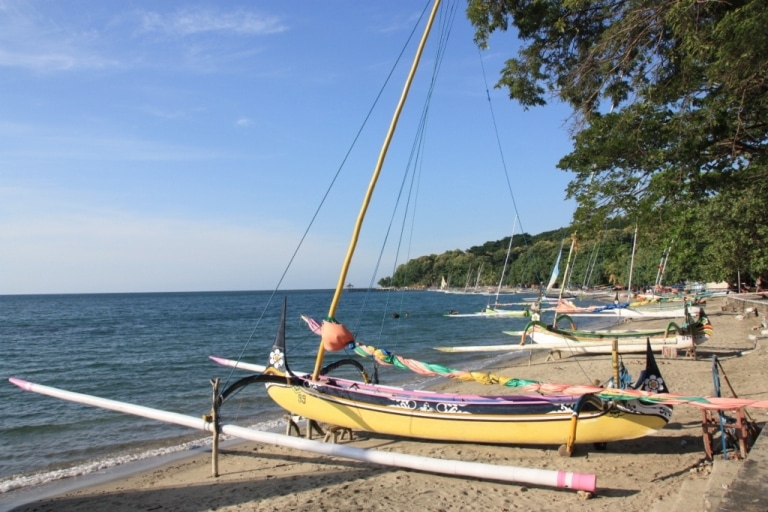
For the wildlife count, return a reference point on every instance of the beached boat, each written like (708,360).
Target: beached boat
(515,418)
(540,336)
(539,419)
(592,342)
(577,341)
(622,310)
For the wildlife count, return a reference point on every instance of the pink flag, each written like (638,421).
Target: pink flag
(312,324)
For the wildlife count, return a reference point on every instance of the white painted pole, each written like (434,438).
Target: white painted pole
(215,421)
(563,479)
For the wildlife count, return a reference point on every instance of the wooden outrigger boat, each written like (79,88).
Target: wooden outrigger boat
(210,423)
(622,311)
(577,341)
(520,419)
(492,312)
(512,418)
(540,336)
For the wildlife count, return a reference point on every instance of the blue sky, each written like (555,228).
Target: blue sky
(183,146)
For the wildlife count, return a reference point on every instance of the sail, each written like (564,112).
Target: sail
(443,283)
(555,270)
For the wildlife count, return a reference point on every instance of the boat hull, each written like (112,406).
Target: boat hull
(633,346)
(536,420)
(493,313)
(602,343)
(634,313)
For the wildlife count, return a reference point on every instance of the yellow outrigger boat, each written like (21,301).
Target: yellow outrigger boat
(513,418)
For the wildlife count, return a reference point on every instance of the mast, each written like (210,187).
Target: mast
(657,284)
(663,266)
(632,266)
(506,260)
(372,184)
(479,273)
(567,265)
(555,269)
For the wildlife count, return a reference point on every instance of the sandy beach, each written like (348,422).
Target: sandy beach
(642,474)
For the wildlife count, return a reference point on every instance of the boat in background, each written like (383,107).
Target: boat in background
(491,312)
(622,310)
(540,336)
(674,337)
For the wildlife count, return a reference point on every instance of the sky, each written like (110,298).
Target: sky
(187,146)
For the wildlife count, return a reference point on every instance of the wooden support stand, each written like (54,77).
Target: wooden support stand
(551,356)
(742,430)
(739,431)
(332,432)
(313,426)
(669,352)
(292,425)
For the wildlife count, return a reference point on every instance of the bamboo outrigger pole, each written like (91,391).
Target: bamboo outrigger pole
(552,478)
(372,184)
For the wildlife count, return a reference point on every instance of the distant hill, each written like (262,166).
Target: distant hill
(605,261)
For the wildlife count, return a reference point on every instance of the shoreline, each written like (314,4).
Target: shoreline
(631,474)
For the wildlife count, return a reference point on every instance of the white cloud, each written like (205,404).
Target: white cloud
(49,40)
(31,41)
(65,148)
(37,61)
(191,22)
(244,122)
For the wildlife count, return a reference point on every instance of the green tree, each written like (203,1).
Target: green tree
(670,104)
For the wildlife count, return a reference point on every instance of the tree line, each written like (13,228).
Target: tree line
(604,260)
(669,127)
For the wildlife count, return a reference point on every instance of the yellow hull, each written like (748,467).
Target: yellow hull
(615,424)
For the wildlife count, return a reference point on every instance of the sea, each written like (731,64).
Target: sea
(153,349)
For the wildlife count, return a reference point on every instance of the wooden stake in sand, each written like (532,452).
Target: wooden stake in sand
(215,420)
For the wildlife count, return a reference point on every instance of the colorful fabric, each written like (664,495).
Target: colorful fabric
(525,385)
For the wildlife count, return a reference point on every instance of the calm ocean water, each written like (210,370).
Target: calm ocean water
(152,349)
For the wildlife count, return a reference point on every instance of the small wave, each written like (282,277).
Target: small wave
(91,467)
